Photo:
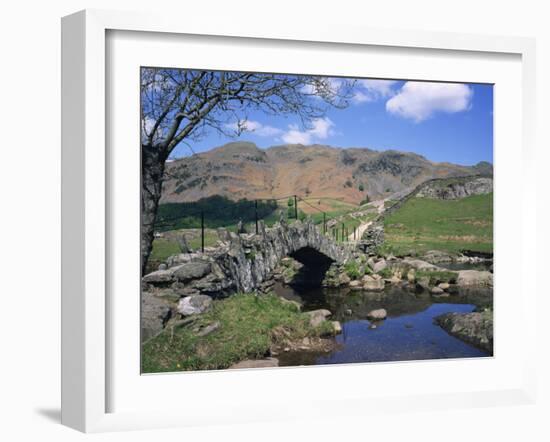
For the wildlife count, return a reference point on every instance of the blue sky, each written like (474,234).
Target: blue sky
(442,121)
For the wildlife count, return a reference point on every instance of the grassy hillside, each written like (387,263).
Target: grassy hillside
(423,224)
(241,170)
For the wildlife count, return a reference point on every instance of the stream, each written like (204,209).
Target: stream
(408,332)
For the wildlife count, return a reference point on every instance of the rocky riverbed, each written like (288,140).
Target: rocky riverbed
(189,285)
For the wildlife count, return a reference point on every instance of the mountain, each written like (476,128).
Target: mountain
(242,170)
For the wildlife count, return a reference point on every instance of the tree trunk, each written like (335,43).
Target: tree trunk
(152,171)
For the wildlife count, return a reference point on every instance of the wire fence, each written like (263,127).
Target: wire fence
(248,213)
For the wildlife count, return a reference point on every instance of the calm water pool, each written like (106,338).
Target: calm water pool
(408,333)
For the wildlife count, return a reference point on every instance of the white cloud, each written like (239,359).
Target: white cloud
(320,129)
(256,127)
(419,101)
(373,90)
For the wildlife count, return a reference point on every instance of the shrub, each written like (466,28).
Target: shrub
(353,270)
(386,273)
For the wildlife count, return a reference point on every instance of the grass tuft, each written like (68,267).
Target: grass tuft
(249,326)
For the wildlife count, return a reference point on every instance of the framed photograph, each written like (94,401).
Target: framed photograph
(250,213)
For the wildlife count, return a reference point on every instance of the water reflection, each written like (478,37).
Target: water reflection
(408,333)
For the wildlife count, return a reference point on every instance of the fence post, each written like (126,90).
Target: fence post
(354,233)
(324,223)
(202,231)
(256,214)
(343,227)
(295,207)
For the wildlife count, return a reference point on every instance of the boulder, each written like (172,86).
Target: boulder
(355,285)
(437,291)
(394,280)
(424,283)
(316,317)
(474,328)
(418,264)
(337,327)
(193,305)
(159,277)
(437,256)
(380,265)
(474,278)
(371,262)
(377,314)
(192,270)
(374,285)
(154,315)
(411,276)
(444,285)
(257,363)
(344,279)
(168,294)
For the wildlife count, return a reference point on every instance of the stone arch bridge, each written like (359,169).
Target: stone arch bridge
(241,263)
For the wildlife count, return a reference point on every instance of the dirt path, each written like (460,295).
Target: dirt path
(360,230)
(364,226)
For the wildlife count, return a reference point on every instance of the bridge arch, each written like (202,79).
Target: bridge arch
(243,262)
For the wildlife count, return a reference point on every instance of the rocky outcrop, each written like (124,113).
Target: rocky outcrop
(155,312)
(243,170)
(474,278)
(474,328)
(456,188)
(317,317)
(372,284)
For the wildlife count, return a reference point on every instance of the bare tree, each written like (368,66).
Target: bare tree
(181,106)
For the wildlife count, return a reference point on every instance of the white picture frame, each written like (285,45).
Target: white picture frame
(86,212)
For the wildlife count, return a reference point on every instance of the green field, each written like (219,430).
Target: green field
(168,244)
(248,326)
(423,224)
